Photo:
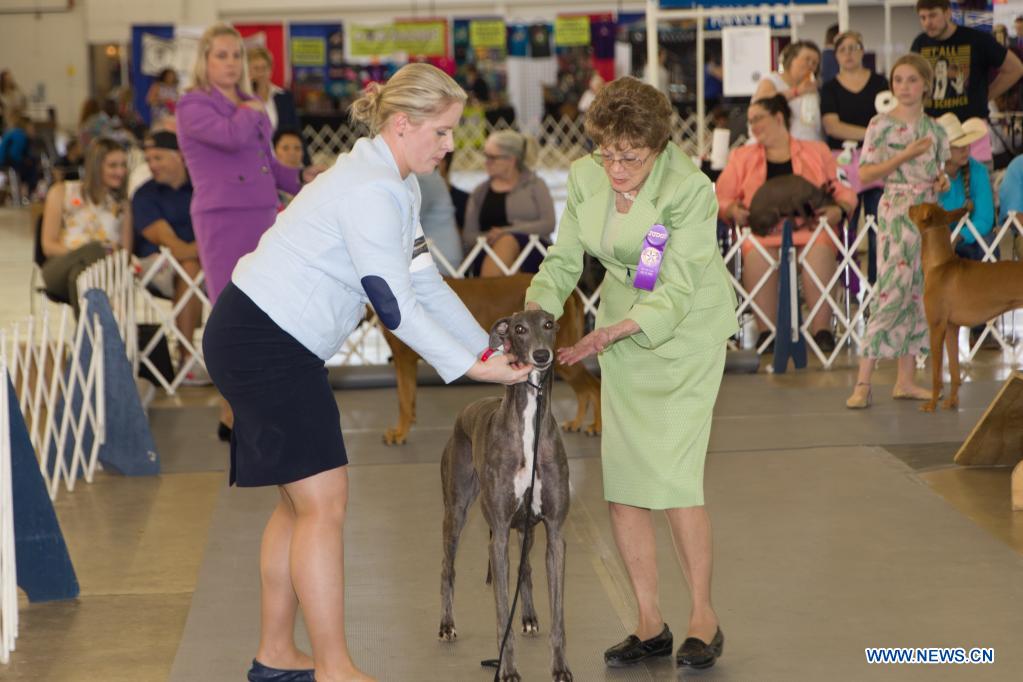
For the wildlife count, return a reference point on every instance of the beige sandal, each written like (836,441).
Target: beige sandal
(859,401)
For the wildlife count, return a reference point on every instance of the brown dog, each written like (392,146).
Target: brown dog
(958,292)
(489,299)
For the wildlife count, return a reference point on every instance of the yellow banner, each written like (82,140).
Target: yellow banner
(487,33)
(422,38)
(308,52)
(571,31)
(371,41)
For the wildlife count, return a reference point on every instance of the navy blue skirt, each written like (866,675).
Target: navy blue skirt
(286,423)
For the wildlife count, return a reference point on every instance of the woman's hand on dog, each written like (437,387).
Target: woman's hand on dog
(596,341)
(500,369)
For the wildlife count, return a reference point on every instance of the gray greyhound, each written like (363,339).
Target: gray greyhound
(491,452)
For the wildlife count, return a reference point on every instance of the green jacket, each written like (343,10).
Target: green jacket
(693,304)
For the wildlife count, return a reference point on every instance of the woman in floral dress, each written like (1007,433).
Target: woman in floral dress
(908,149)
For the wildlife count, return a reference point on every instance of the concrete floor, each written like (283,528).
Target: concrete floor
(834,530)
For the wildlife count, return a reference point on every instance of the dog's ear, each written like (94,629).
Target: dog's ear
(499,334)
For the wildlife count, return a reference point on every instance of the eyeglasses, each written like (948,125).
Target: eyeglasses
(495,157)
(626,161)
(849,49)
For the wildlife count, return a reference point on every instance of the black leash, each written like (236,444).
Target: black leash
(528,499)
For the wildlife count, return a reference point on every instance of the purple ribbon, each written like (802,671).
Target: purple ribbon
(650,257)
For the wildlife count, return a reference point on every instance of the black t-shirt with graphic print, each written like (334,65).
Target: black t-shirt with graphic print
(962,70)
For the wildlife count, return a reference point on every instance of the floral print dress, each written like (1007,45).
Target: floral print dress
(897,324)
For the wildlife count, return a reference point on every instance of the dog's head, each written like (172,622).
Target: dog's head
(928,216)
(528,336)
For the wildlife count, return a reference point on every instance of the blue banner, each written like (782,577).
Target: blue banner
(779,19)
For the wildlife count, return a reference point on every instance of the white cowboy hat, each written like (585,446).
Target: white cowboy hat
(962,134)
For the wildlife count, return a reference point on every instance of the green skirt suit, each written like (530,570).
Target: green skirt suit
(658,386)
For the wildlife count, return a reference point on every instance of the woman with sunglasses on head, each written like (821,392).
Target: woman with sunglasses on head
(511,204)
(646,212)
(351,238)
(847,105)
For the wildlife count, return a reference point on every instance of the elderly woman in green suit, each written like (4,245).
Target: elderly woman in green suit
(661,332)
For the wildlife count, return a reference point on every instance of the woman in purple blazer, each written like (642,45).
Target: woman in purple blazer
(225,135)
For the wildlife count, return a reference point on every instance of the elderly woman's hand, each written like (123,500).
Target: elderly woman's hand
(740,214)
(591,344)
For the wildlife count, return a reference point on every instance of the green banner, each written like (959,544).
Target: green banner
(308,52)
(422,38)
(487,33)
(571,31)
(371,41)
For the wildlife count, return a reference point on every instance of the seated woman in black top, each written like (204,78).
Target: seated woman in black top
(509,206)
(847,105)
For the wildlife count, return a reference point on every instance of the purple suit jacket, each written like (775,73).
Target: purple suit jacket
(228,155)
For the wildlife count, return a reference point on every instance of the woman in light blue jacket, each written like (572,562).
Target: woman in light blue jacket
(351,238)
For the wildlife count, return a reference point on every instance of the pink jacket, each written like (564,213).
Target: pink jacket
(228,155)
(746,171)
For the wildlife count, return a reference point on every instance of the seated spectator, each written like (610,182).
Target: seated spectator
(968,181)
(85,220)
(459,197)
(16,151)
(160,212)
(69,166)
(776,153)
(288,147)
(595,85)
(162,97)
(1010,194)
(437,216)
(510,205)
(797,82)
(12,100)
(278,102)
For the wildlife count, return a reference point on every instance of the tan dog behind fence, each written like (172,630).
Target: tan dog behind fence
(489,299)
(958,293)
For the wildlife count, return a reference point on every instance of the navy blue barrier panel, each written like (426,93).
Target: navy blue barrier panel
(44,567)
(129,448)
(784,346)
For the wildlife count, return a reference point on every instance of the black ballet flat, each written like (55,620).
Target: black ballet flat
(695,653)
(224,432)
(261,673)
(632,649)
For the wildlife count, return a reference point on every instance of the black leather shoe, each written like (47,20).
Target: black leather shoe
(633,650)
(261,673)
(695,653)
(224,432)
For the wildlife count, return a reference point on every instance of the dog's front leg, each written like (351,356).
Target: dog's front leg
(937,329)
(530,623)
(952,344)
(556,592)
(499,566)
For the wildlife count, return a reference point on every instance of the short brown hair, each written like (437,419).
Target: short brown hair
(933,4)
(627,110)
(791,51)
(922,67)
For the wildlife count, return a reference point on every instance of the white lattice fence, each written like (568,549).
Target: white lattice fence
(561,140)
(8,569)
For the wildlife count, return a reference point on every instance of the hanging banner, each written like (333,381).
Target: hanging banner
(308,52)
(270,36)
(371,41)
(422,38)
(487,34)
(572,31)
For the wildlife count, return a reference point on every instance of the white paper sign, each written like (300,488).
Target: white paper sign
(746,58)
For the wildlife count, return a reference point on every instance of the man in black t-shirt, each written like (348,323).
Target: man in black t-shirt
(964,60)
